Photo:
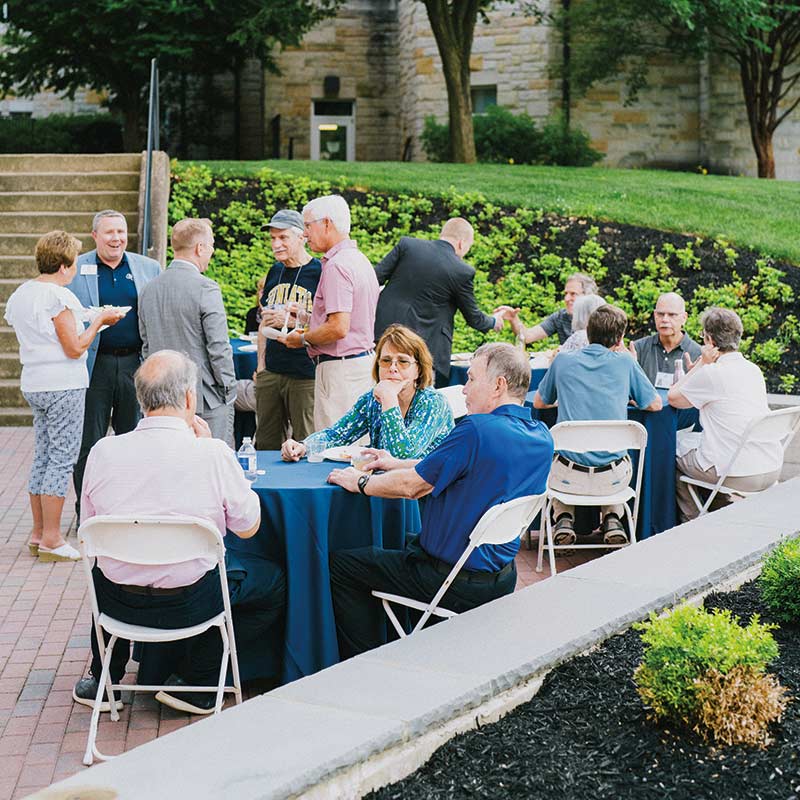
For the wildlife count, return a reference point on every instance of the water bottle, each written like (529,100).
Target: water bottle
(247,458)
(679,373)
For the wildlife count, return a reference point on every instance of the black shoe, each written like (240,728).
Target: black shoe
(613,530)
(563,531)
(194,702)
(85,692)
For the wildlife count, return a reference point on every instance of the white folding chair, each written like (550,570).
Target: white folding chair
(500,524)
(588,436)
(455,399)
(150,541)
(775,426)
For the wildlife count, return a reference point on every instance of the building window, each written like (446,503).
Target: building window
(333,129)
(482,98)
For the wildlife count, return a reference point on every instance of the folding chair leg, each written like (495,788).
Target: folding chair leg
(223,668)
(237,681)
(401,632)
(103,684)
(542,534)
(700,506)
(550,545)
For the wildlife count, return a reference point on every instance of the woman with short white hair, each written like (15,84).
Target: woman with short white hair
(581,311)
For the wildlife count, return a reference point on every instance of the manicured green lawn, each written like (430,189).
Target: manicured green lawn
(763,215)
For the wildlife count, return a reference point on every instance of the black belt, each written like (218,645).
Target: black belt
(470,575)
(582,468)
(325,357)
(119,351)
(153,591)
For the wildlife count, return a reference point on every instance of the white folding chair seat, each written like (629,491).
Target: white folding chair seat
(773,427)
(594,436)
(500,524)
(150,541)
(455,399)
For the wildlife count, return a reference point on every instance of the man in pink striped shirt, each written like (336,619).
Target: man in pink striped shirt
(340,335)
(170,464)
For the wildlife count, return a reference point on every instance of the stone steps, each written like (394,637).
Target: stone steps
(92,202)
(40,193)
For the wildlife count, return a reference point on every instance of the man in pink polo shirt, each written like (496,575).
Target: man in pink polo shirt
(340,335)
(170,464)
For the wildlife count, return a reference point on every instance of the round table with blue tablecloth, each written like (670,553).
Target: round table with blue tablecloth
(303,519)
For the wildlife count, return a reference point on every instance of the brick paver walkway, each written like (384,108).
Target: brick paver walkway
(44,646)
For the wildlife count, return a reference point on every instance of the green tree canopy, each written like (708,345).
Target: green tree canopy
(108,44)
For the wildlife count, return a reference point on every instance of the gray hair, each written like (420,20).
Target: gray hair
(504,360)
(108,212)
(333,207)
(724,327)
(163,380)
(587,282)
(583,308)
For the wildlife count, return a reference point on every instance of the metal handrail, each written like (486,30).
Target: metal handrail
(153,142)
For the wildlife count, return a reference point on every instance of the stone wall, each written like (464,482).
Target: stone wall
(360,47)
(43,104)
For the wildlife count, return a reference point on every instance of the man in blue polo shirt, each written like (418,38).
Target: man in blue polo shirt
(109,275)
(495,454)
(594,383)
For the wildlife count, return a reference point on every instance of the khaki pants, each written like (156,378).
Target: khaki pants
(564,478)
(338,385)
(687,465)
(281,401)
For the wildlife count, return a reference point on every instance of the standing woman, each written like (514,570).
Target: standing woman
(47,320)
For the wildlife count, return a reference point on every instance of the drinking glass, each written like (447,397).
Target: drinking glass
(315,448)
(361,461)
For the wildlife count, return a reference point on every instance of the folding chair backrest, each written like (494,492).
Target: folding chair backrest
(776,426)
(506,521)
(601,435)
(455,399)
(151,540)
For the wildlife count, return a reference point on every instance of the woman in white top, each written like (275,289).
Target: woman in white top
(581,311)
(47,320)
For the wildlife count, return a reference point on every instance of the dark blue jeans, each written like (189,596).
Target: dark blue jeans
(410,572)
(257,589)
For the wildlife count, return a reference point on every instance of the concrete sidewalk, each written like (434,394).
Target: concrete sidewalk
(44,646)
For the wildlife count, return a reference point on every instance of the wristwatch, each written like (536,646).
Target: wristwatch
(362,483)
(303,340)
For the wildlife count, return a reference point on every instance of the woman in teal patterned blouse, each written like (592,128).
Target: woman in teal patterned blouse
(402,413)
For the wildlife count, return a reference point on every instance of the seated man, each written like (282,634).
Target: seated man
(170,465)
(594,383)
(730,392)
(495,454)
(658,353)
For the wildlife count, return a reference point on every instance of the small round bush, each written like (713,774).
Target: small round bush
(780,581)
(689,647)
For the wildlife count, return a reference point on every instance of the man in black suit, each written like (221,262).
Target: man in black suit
(427,283)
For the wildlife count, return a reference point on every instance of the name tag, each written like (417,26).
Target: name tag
(88,269)
(664,380)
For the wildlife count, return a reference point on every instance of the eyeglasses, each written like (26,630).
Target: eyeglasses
(402,363)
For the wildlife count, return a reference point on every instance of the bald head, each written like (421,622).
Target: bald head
(459,233)
(670,317)
(163,382)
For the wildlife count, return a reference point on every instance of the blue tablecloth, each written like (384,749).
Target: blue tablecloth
(303,519)
(458,375)
(243,363)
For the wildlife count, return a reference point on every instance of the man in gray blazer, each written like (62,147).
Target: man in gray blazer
(110,275)
(427,283)
(182,310)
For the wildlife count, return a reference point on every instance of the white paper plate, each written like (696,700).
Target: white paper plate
(248,337)
(98,309)
(344,453)
(459,358)
(270,333)
(248,348)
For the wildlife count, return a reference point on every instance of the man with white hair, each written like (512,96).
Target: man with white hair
(495,454)
(110,275)
(427,281)
(170,464)
(340,336)
(284,377)
(657,354)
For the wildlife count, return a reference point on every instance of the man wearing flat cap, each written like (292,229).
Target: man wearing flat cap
(285,377)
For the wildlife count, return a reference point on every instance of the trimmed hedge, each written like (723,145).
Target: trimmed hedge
(61,133)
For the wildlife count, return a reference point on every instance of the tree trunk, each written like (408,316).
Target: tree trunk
(459,106)
(132,138)
(762,144)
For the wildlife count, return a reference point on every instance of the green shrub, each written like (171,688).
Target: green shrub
(502,137)
(686,645)
(61,133)
(780,581)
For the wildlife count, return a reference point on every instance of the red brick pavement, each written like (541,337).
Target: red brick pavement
(44,645)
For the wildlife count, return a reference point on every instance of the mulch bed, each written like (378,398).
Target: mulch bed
(586,735)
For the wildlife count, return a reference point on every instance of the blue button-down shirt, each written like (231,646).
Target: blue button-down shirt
(115,287)
(486,460)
